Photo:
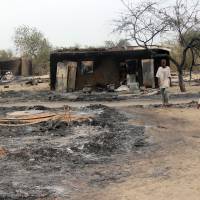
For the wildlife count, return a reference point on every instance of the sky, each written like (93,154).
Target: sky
(64,22)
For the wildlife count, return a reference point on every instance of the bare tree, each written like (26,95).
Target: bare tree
(151,21)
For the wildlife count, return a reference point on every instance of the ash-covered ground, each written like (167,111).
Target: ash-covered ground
(49,96)
(61,160)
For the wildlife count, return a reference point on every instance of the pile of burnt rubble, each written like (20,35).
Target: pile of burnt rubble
(49,149)
(110,132)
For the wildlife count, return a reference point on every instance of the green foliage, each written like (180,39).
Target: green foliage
(6,54)
(188,36)
(31,43)
(176,53)
(177,48)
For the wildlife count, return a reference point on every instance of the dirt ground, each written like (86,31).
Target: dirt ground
(130,148)
(62,159)
(171,172)
(34,95)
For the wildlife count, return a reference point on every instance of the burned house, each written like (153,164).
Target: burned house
(18,67)
(75,69)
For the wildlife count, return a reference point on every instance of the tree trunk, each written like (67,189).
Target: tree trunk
(181,82)
(180,74)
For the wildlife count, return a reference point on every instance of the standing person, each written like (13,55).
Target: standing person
(164,80)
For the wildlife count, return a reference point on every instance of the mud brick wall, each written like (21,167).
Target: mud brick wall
(105,71)
(26,67)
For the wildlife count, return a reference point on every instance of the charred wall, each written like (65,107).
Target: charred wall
(11,65)
(106,65)
(105,71)
(19,67)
